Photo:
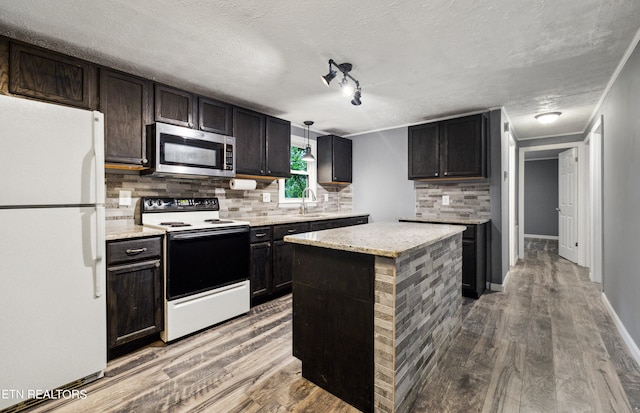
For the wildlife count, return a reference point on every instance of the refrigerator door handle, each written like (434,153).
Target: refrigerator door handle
(98,148)
(100,249)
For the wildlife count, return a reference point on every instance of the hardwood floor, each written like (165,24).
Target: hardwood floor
(547,345)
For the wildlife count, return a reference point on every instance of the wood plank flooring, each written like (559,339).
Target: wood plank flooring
(547,345)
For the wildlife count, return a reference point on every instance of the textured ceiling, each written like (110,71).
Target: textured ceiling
(415,60)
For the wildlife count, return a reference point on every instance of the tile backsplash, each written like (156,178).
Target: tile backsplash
(233,204)
(466,200)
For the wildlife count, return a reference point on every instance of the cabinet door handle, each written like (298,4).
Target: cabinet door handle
(144,161)
(135,251)
(436,174)
(261,235)
(291,231)
(446,173)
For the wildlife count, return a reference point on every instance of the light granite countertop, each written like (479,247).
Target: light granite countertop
(116,232)
(119,231)
(460,221)
(386,239)
(288,219)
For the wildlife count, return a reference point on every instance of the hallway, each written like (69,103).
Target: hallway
(546,345)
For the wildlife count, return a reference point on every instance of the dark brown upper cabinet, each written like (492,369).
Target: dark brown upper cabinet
(49,76)
(214,116)
(278,152)
(334,160)
(175,106)
(263,144)
(248,129)
(126,103)
(451,149)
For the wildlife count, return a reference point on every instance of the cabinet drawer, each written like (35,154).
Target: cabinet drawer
(469,233)
(260,234)
(133,250)
(279,231)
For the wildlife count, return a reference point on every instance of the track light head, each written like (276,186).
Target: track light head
(329,77)
(346,88)
(356,98)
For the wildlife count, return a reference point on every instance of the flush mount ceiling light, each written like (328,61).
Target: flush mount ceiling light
(308,156)
(548,117)
(345,86)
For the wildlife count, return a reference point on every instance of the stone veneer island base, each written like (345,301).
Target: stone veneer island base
(375,307)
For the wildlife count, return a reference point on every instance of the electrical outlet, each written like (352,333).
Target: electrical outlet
(124,198)
(326,197)
(445,199)
(266,197)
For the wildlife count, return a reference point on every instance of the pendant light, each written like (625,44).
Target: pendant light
(308,156)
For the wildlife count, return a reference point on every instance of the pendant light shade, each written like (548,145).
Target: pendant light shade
(308,156)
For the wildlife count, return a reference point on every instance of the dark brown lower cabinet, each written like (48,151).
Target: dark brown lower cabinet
(282,258)
(260,266)
(474,260)
(134,291)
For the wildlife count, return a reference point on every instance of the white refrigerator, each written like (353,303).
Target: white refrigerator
(52,264)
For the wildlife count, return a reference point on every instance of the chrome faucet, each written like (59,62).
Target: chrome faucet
(307,191)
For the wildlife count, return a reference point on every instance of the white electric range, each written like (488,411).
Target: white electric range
(206,263)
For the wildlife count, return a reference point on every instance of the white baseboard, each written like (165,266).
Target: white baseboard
(541,236)
(500,287)
(631,345)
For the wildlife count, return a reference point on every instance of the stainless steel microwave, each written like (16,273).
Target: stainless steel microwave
(175,150)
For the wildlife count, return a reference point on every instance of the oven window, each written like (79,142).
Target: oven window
(205,260)
(191,152)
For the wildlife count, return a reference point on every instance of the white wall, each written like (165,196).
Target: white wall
(380,171)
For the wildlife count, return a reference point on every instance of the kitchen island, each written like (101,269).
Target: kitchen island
(375,307)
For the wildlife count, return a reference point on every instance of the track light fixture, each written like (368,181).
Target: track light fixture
(345,86)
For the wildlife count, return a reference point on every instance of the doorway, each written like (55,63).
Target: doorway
(581,189)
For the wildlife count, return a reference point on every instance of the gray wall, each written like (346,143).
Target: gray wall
(541,197)
(380,175)
(621,193)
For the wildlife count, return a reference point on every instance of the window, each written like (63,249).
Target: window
(303,175)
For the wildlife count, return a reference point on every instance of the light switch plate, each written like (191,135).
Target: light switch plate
(266,197)
(326,197)
(125,198)
(445,199)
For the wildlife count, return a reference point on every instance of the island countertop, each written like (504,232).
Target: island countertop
(385,239)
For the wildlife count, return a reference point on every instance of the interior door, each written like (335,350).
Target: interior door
(567,210)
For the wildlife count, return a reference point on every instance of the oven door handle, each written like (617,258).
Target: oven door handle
(202,234)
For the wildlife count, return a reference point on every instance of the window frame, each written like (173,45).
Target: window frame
(312,173)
